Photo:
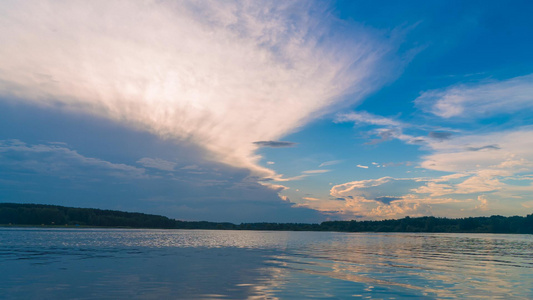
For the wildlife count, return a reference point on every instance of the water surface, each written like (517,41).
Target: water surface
(38,263)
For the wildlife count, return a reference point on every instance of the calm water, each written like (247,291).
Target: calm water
(180,264)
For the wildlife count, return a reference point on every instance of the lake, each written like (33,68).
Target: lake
(43,263)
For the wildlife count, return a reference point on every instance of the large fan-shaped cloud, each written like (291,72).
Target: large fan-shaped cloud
(222,75)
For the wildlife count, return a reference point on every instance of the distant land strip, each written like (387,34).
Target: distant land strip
(13,214)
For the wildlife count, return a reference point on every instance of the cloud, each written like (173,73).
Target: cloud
(387,199)
(483,205)
(367,118)
(59,160)
(57,174)
(371,189)
(274,144)
(191,167)
(329,163)
(310,198)
(270,162)
(299,177)
(315,171)
(220,75)
(478,166)
(440,135)
(480,100)
(283,179)
(361,166)
(486,147)
(384,208)
(157,163)
(387,130)
(486,164)
(465,153)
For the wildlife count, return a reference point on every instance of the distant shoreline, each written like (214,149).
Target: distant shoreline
(54,216)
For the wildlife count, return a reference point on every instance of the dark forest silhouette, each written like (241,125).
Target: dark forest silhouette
(53,215)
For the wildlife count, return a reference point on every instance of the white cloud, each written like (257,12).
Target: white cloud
(368,209)
(315,171)
(514,152)
(345,189)
(493,164)
(310,198)
(371,189)
(389,197)
(219,74)
(329,163)
(157,163)
(284,179)
(361,166)
(480,100)
(388,128)
(304,174)
(368,118)
(484,204)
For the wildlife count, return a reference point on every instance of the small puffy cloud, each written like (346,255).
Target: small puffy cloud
(274,144)
(483,203)
(361,166)
(270,162)
(480,100)
(157,163)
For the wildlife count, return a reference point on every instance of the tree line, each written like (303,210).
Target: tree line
(53,215)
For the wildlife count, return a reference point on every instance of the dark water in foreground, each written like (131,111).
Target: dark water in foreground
(181,264)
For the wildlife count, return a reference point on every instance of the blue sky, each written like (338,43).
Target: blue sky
(265,111)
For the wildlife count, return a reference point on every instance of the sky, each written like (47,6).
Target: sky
(269,111)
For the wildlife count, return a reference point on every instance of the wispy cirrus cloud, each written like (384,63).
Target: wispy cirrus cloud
(480,100)
(316,171)
(329,163)
(221,75)
(364,117)
(387,128)
(303,175)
